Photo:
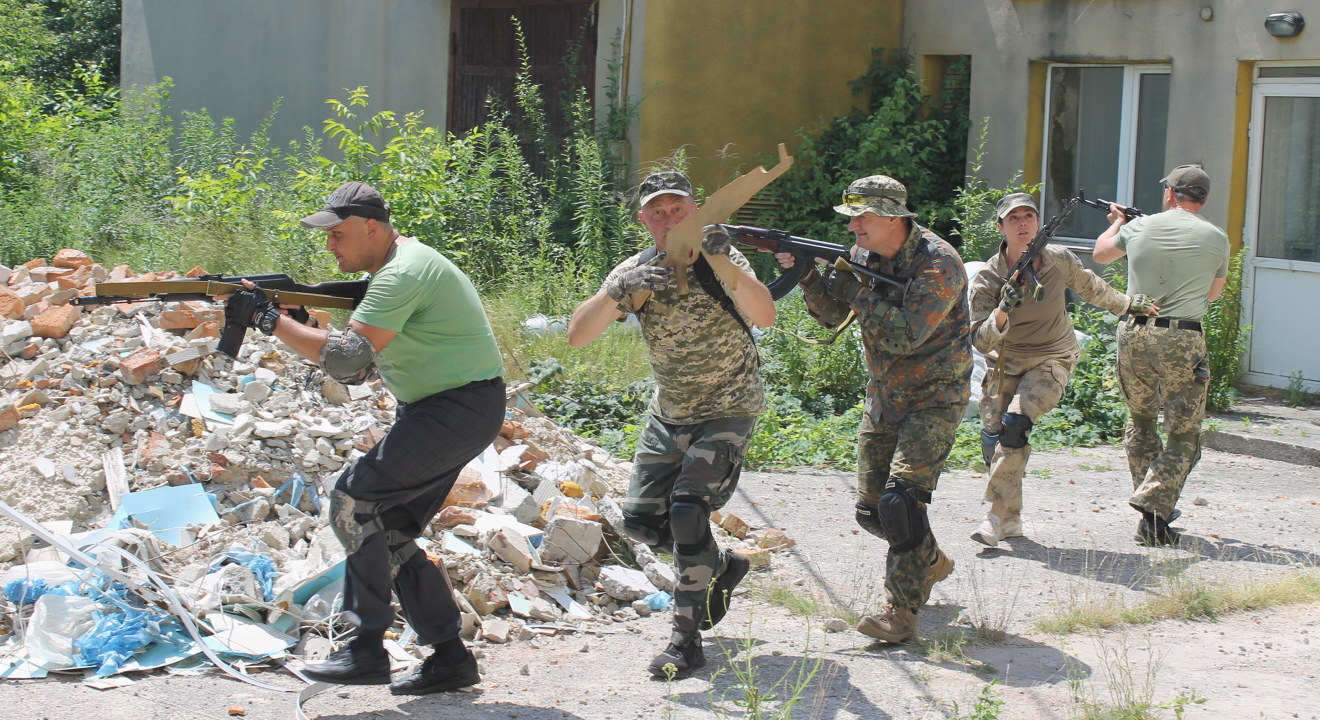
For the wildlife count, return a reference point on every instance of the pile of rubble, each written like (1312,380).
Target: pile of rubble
(127,437)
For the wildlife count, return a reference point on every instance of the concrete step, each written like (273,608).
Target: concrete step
(1267,429)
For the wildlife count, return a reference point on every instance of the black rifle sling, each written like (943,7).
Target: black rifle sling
(711,284)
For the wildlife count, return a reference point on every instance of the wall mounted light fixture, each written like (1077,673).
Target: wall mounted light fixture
(1284,24)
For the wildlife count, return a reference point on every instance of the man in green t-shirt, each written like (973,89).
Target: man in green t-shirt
(422,325)
(1180,260)
(708,394)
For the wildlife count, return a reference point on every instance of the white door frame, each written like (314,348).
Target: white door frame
(1263,88)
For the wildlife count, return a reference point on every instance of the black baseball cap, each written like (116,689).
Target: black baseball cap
(348,200)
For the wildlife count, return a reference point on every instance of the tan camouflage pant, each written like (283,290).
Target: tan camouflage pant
(699,462)
(912,450)
(1033,393)
(1162,368)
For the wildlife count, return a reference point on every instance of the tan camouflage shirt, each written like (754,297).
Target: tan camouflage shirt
(1037,329)
(916,340)
(705,364)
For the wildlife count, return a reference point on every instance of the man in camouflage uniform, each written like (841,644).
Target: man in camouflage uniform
(1180,259)
(708,394)
(1033,348)
(920,361)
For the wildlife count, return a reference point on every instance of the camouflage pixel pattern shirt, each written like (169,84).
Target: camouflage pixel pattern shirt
(917,341)
(705,364)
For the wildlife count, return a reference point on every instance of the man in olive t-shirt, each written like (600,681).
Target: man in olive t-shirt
(1180,260)
(423,326)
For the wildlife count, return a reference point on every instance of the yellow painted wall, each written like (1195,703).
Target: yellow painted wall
(730,79)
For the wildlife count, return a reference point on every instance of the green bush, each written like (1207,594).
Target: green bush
(902,132)
(1226,339)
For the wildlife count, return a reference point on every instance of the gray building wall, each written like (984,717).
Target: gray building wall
(236,57)
(1004,36)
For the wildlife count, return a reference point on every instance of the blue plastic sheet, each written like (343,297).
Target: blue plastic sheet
(117,637)
(260,565)
(659,600)
(25,591)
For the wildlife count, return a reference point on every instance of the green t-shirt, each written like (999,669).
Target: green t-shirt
(444,340)
(1173,257)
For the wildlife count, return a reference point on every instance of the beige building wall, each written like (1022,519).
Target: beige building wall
(727,80)
(1012,41)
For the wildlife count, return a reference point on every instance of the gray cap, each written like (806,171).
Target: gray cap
(1189,180)
(348,200)
(668,182)
(877,194)
(1009,203)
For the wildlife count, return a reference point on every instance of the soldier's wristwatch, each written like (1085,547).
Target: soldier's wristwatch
(266,320)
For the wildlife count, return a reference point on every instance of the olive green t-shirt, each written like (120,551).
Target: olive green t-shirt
(1173,257)
(444,340)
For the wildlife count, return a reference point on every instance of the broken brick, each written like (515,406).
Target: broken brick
(34,263)
(469,490)
(56,322)
(197,271)
(75,279)
(321,317)
(457,515)
(734,525)
(208,329)
(514,430)
(11,305)
(70,258)
(189,315)
(9,416)
(143,363)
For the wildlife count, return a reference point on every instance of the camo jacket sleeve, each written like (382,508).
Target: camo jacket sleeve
(901,322)
(1090,286)
(827,310)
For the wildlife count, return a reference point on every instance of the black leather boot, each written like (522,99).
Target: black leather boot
(446,669)
(685,659)
(360,662)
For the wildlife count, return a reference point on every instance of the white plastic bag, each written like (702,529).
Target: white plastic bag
(58,620)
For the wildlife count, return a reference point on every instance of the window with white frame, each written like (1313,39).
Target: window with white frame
(1105,134)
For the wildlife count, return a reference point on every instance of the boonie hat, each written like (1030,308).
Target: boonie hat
(1009,203)
(878,194)
(349,199)
(1189,180)
(668,182)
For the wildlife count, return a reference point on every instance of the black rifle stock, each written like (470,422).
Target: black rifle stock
(278,287)
(1102,204)
(804,250)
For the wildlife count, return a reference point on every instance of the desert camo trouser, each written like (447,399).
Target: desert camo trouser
(1033,393)
(1162,369)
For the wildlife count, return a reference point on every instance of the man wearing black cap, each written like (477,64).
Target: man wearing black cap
(422,325)
(1180,260)
(1033,348)
(708,394)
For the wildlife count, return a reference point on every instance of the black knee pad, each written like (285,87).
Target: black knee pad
(903,516)
(689,521)
(869,520)
(1016,429)
(650,530)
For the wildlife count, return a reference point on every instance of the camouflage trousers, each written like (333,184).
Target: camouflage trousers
(1162,369)
(912,450)
(386,499)
(699,463)
(1033,392)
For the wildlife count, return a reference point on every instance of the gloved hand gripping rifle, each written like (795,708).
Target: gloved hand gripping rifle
(1023,273)
(278,287)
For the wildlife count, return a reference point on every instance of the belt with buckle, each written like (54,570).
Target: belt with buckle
(1167,322)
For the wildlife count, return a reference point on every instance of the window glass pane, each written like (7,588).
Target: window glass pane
(1085,113)
(1290,72)
(1289,218)
(1152,129)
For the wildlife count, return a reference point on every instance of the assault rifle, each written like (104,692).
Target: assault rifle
(804,251)
(278,287)
(1102,204)
(1024,270)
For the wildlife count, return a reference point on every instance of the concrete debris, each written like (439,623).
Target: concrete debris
(102,405)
